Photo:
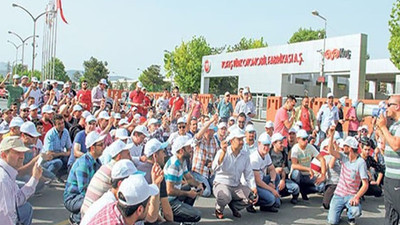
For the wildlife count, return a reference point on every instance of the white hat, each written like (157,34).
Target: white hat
(117,116)
(139,84)
(299,124)
(342,100)
(325,143)
(123,168)
(330,95)
(245,91)
(24,77)
(341,143)
(16,122)
(104,115)
(264,139)
(121,133)
(336,135)
(13,142)
(47,109)
(152,121)
(55,103)
(269,124)
(33,107)
(144,88)
(277,137)
(250,128)
(227,93)
(85,114)
(3,130)
(103,81)
(92,138)
(66,85)
(77,108)
(16,76)
(90,118)
(213,127)
(302,134)
(122,122)
(141,129)
(181,142)
(136,190)
(351,142)
(29,128)
(232,118)
(364,127)
(153,146)
(24,106)
(181,120)
(62,108)
(235,133)
(53,82)
(222,125)
(137,116)
(292,130)
(35,80)
(116,147)
(134,108)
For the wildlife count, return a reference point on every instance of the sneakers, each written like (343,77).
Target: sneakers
(304,197)
(235,212)
(219,214)
(294,200)
(251,209)
(352,221)
(269,209)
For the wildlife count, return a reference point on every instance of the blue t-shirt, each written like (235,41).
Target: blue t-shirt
(79,139)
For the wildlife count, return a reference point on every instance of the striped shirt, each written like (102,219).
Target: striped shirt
(203,153)
(108,215)
(351,175)
(392,158)
(174,171)
(100,184)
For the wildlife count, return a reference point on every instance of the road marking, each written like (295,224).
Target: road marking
(65,222)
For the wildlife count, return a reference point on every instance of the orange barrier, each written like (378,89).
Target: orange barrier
(112,93)
(233,100)
(273,104)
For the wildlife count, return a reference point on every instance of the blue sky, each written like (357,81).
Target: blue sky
(131,34)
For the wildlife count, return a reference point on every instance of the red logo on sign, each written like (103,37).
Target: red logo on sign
(207,66)
(337,53)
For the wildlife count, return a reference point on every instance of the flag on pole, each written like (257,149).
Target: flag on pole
(59,7)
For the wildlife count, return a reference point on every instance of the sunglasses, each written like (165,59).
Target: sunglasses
(30,136)
(241,122)
(25,110)
(304,139)
(181,127)
(101,144)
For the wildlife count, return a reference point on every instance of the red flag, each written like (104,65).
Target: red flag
(59,6)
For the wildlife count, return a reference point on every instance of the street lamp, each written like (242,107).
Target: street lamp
(172,64)
(316,13)
(34,32)
(16,53)
(23,42)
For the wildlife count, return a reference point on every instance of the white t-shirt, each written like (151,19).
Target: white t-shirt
(305,156)
(104,200)
(257,163)
(36,94)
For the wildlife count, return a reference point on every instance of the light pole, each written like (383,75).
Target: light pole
(316,13)
(23,43)
(34,33)
(172,64)
(16,53)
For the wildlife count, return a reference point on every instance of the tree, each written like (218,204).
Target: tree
(394,28)
(184,63)
(94,71)
(304,34)
(77,76)
(152,79)
(245,44)
(22,70)
(59,70)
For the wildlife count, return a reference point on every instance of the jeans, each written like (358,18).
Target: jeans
(200,178)
(291,188)
(266,198)
(392,201)
(52,166)
(337,205)
(73,203)
(306,184)
(22,180)
(183,210)
(25,212)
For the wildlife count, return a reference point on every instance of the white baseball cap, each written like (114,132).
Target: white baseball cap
(245,91)
(53,82)
(250,128)
(302,134)
(13,142)
(232,118)
(35,80)
(103,81)
(55,103)
(16,76)
(292,130)
(235,133)
(90,118)
(117,116)
(325,143)
(29,128)
(264,139)
(341,143)
(116,147)
(181,120)
(136,190)
(141,129)
(222,125)
(122,122)
(24,106)
(152,121)
(121,133)
(66,85)
(62,108)
(104,115)
(85,114)
(153,146)
(330,95)
(269,124)
(139,84)
(336,135)
(3,130)
(364,127)
(92,138)
(351,142)
(299,124)
(277,137)
(181,142)
(213,127)
(47,109)
(24,77)
(77,108)
(134,108)
(123,168)
(33,107)
(16,122)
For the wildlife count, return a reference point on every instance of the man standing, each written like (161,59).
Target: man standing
(282,122)
(306,115)
(327,116)
(225,108)
(137,98)
(176,103)
(392,149)
(80,175)
(182,198)
(351,116)
(245,106)
(98,93)
(15,92)
(34,91)
(230,164)
(250,142)
(85,96)
(14,208)
(195,105)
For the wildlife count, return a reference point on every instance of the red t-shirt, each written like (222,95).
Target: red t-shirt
(137,97)
(305,119)
(147,102)
(279,125)
(178,104)
(46,127)
(86,98)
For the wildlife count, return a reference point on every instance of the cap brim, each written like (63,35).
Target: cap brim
(128,146)
(100,138)
(164,145)
(34,134)
(153,190)
(21,149)
(4,131)
(106,118)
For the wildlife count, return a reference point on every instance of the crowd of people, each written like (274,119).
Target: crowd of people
(145,160)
